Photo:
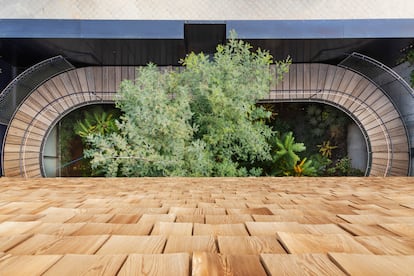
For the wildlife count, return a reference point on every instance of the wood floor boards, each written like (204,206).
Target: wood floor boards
(210,226)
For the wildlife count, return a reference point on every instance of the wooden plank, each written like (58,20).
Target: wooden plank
(26,207)
(33,172)
(346,81)
(8,242)
(63,89)
(59,229)
(124,73)
(347,98)
(130,208)
(234,245)
(56,87)
(205,264)
(56,217)
(67,82)
(82,78)
(375,219)
(118,77)
(90,79)
(358,264)
(51,93)
(27,265)
(114,229)
(228,219)
(98,79)
(37,102)
(220,229)
(12,165)
(191,218)
(59,211)
(292,82)
(17,227)
(385,245)
(324,229)
(314,76)
(11,139)
(33,111)
(364,230)
(72,77)
(299,264)
(58,105)
(176,244)
(250,211)
(106,78)
(153,218)
(271,228)
(124,218)
(132,73)
(132,245)
(72,264)
(300,78)
(17,132)
(156,264)
(171,228)
(323,69)
(91,218)
(196,211)
(285,86)
(112,81)
(401,229)
(355,93)
(312,243)
(306,77)
(50,244)
(275,218)
(22,217)
(334,97)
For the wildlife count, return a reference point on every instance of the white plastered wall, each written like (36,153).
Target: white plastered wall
(207,9)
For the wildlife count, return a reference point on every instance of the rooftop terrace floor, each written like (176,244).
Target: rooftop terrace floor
(207,226)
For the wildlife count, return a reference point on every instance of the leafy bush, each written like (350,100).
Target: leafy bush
(343,167)
(286,160)
(200,121)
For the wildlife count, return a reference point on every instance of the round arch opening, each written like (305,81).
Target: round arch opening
(317,124)
(62,150)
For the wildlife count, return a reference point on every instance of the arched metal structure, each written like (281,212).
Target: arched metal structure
(375,114)
(46,105)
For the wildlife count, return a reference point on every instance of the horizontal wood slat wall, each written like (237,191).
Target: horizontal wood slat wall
(305,82)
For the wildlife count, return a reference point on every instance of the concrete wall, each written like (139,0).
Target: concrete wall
(207,9)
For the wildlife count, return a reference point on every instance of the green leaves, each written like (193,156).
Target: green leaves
(224,92)
(99,122)
(199,121)
(287,162)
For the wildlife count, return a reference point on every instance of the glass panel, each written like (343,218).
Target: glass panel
(50,156)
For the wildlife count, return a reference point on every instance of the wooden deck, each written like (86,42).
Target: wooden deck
(207,226)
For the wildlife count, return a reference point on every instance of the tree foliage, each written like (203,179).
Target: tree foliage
(97,122)
(199,121)
(286,159)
